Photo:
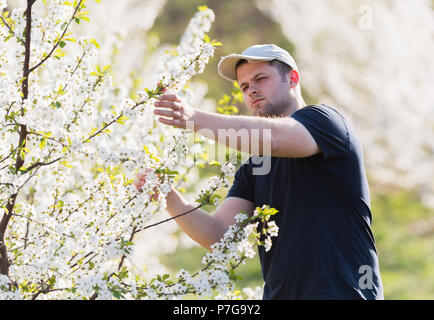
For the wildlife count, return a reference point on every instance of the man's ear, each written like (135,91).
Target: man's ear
(294,78)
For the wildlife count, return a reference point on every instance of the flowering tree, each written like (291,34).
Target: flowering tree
(385,84)
(70,145)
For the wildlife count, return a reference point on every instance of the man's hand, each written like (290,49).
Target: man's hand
(140,181)
(177,112)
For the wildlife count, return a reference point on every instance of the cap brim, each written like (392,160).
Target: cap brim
(226,66)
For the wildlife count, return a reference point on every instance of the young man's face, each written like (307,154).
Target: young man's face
(265,91)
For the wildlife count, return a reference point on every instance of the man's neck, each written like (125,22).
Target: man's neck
(296,104)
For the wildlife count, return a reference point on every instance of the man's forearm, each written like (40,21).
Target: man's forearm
(243,133)
(201,227)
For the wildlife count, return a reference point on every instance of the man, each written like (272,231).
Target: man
(325,248)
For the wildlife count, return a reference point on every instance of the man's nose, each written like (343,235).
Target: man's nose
(253,91)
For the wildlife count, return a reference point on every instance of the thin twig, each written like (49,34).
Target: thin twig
(7,25)
(81,204)
(42,224)
(58,41)
(171,218)
(124,255)
(40,164)
(98,80)
(76,67)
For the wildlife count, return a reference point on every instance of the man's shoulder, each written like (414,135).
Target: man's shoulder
(321,109)
(329,127)
(321,114)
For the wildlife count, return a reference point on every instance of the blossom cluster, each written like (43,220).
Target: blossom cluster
(217,277)
(192,54)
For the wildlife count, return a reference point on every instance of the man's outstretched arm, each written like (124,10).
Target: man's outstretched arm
(279,137)
(202,227)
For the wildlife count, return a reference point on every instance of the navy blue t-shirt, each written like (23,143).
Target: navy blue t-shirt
(325,248)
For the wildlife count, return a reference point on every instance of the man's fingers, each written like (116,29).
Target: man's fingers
(169,97)
(138,184)
(178,123)
(141,176)
(169,122)
(164,112)
(140,181)
(167,104)
(168,113)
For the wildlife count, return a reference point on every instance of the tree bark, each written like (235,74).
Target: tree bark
(4,261)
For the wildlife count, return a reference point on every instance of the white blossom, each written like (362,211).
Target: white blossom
(273,229)
(3,4)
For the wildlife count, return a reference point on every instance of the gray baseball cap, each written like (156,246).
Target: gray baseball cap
(255,53)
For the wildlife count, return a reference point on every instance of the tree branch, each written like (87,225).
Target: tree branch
(10,153)
(171,218)
(98,80)
(47,290)
(7,25)
(41,224)
(110,123)
(4,260)
(75,69)
(124,255)
(40,164)
(81,204)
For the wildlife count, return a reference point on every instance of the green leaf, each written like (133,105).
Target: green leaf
(122,119)
(52,281)
(117,294)
(216,43)
(95,43)
(42,143)
(214,163)
(106,68)
(60,204)
(22,154)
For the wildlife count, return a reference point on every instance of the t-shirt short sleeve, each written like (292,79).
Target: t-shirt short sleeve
(327,127)
(244,183)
